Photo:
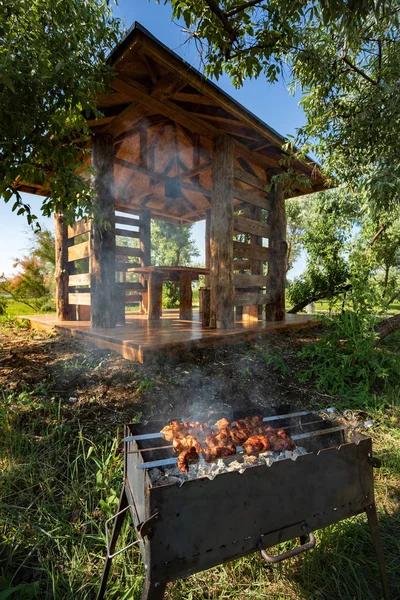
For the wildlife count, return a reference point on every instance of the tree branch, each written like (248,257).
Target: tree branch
(378,233)
(214,7)
(357,70)
(237,9)
(16,298)
(386,327)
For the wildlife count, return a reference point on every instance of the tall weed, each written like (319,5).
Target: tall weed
(347,362)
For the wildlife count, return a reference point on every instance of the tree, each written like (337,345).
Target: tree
(172,245)
(34,284)
(341,241)
(52,66)
(344,56)
(296,212)
(326,233)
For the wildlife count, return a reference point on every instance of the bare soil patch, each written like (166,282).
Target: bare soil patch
(100,388)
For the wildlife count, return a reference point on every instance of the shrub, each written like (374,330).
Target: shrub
(346,362)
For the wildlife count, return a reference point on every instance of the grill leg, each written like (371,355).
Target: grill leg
(123,503)
(376,539)
(153,590)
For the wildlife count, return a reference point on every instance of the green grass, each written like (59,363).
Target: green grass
(15,308)
(336,306)
(58,486)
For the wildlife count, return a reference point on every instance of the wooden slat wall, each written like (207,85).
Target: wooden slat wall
(251,198)
(142,252)
(243,250)
(243,281)
(79,228)
(127,220)
(126,251)
(241,265)
(79,251)
(251,299)
(80,279)
(127,233)
(79,298)
(245,177)
(252,255)
(242,224)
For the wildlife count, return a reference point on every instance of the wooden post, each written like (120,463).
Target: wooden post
(207,245)
(221,236)
(185,296)
(145,239)
(102,239)
(275,310)
(61,270)
(155,295)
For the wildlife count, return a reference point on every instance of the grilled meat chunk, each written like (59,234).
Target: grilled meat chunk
(184,457)
(222,438)
(175,429)
(222,423)
(238,436)
(211,454)
(185,443)
(256,444)
(200,430)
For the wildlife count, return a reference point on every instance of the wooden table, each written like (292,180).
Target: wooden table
(156,275)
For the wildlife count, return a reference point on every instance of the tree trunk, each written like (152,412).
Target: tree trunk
(300,305)
(61,271)
(387,326)
(386,280)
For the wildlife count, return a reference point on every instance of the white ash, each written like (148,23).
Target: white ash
(201,468)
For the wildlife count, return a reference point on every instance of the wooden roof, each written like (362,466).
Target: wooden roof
(163,115)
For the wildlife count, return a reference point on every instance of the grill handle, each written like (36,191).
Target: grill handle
(294,552)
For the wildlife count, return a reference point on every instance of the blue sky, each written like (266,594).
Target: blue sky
(272,103)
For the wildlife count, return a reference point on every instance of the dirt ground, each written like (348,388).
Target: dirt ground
(99,388)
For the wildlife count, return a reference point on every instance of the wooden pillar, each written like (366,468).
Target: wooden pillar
(275,310)
(221,236)
(207,245)
(155,295)
(145,238)
(185,296)
(102,239)
(61,270)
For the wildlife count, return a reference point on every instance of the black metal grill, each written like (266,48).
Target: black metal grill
(183,529)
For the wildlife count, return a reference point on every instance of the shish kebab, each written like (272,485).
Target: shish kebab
(195,440)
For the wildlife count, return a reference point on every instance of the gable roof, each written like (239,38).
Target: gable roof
(160,107)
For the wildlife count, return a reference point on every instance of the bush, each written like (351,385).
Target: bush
(170,294)
(346,362)
(47,304)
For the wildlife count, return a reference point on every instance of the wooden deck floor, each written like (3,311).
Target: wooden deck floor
(141,340)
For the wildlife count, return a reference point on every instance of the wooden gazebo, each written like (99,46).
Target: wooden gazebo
(173,146)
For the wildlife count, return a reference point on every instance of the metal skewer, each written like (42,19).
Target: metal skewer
(171,446)
(300,436)
(157,435)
